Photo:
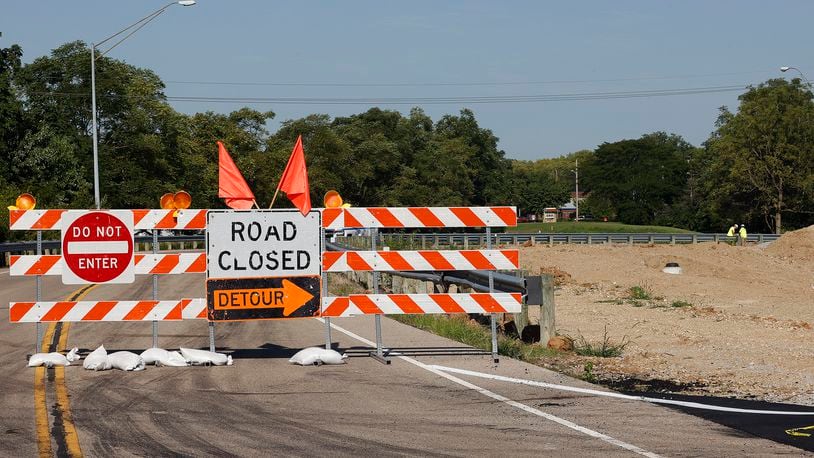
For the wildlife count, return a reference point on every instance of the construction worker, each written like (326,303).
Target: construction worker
(742,235)
(733,233)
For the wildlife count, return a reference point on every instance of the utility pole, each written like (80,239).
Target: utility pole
(576,191)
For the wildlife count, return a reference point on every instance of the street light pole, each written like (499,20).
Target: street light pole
(138,25)
(784,69)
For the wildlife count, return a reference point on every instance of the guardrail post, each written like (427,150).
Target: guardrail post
(547,329)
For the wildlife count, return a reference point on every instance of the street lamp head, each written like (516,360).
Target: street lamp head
(186,2)
(785,69)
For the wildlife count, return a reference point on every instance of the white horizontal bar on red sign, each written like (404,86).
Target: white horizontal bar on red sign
(405,261)
(398,217)
(33,312)
(26,220)
(145,264)
(401,304)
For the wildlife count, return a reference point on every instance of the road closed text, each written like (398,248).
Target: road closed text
(283,260)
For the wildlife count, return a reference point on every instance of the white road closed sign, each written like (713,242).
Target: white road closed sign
(263,243)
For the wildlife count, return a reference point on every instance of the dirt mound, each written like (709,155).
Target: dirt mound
(795,245)
(737,321)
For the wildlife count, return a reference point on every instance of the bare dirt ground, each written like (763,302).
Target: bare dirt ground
(738,321)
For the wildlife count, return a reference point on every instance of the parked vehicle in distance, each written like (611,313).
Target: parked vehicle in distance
(587,217)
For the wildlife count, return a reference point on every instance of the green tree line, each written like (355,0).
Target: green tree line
(756,168)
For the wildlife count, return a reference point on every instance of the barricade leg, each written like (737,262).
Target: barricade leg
(379,354)
(493,317)
(211,336)
(155,289)
(38,345)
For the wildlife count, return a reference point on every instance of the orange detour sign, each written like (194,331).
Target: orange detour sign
(263,264)
(263,298)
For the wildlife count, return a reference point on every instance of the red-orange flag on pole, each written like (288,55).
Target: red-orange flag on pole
(294,182)
(232,187)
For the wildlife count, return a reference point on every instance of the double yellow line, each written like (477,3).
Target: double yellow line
(63,405)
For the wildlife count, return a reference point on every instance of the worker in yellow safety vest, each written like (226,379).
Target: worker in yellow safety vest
(742,235)
(732,232)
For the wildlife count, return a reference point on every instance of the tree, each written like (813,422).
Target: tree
(638,179)
(761,159)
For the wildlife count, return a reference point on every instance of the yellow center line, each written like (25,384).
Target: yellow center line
(63,404)
(41,402)
(69,429)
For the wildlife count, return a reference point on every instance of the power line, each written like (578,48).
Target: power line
(537,98)
(448,84)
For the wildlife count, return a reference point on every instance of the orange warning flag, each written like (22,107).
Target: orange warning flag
(232,187)
(294,182)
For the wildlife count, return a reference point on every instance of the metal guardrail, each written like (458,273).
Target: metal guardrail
(425,241)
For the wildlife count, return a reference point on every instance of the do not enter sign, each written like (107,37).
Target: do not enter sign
(97,247)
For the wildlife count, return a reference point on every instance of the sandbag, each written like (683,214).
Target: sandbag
(126,361)
(316,356)
(161,357)
(73,355)
(97,360)
(48,360)
(202,357)
(306,356)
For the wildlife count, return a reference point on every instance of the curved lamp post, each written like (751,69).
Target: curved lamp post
(784,69)
(133,28)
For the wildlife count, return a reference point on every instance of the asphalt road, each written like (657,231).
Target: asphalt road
(264,406)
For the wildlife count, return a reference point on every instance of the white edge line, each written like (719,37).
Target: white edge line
(694,405)
(485,392)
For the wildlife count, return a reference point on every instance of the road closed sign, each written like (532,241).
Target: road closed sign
(263,264)
(97,247)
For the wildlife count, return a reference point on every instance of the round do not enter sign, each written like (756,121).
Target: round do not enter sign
(97,247)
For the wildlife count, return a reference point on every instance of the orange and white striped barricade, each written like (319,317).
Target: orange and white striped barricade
(375,218)
(145,264)
(150,264)
(79,311)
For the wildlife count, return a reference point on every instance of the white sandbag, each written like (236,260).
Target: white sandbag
(73,355)
(97,360)
(316,356)
(126,361)
(306,356)
(332,357)
(176,359)
(161,357)
(48,360)
(199,357)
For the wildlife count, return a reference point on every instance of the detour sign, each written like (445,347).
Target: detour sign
(263,298)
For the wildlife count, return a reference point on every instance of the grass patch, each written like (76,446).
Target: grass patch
(461,329)
(640,293)
(566,227)
(604,349)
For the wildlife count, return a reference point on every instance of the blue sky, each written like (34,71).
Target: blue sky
(433,49)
